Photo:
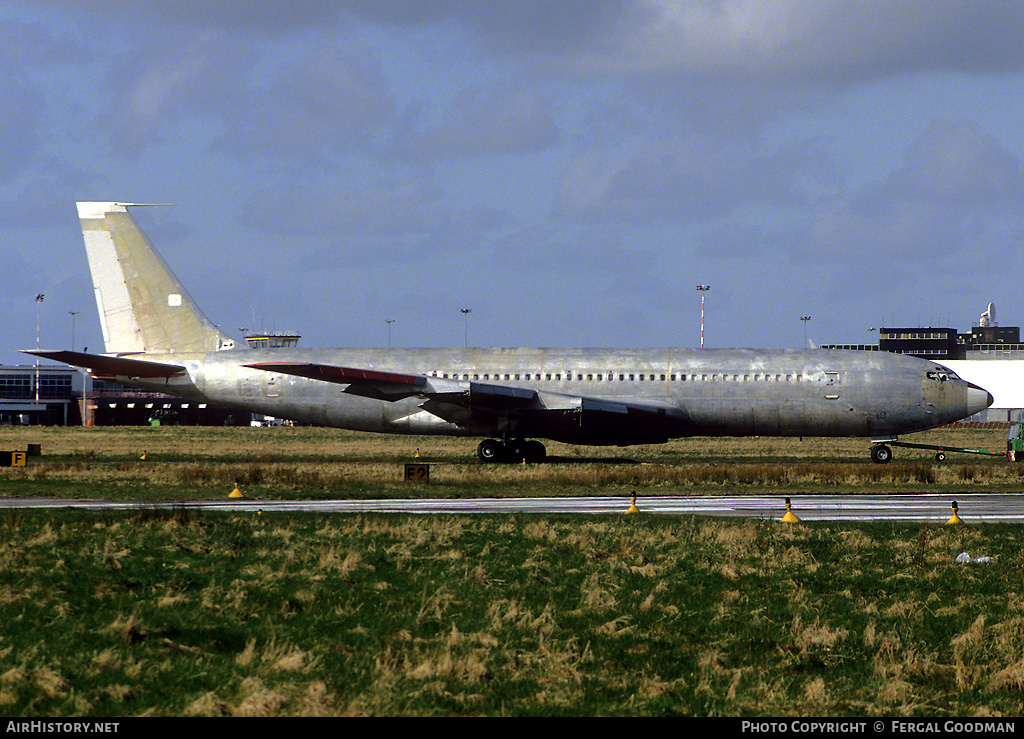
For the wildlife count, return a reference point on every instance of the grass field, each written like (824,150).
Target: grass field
(184,613)
(203,463)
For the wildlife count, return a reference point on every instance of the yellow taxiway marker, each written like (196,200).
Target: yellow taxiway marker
(632,507)
(790,517)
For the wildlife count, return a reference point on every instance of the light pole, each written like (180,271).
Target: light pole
(39,309)
(703,289)
(73,313)
(805,319)
(465,329)
(389,321)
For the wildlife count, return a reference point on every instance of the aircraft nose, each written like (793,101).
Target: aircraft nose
(978,399)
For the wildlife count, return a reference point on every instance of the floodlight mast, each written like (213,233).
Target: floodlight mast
(39,303)
(703,289)
(465,325)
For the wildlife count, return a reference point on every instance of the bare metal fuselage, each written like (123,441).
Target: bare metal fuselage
(157,338)
(721,392)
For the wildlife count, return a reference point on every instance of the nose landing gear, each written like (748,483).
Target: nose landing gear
(881,454)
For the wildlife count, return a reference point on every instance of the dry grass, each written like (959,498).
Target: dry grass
(304,462)
(310,614)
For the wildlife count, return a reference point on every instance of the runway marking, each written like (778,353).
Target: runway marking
(931,508)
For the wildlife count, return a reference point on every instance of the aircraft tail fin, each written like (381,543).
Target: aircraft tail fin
(143,307)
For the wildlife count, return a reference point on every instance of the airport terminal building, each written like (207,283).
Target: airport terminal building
(62,396)
(48,395)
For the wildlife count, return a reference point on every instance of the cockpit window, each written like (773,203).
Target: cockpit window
(941,375)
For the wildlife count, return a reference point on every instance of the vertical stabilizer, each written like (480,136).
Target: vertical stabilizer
(143,308)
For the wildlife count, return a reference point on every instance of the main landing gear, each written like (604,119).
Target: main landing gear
(511,450)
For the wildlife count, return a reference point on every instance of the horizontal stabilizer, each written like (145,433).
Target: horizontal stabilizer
(105,366)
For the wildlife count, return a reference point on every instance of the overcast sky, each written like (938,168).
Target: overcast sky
(570,171)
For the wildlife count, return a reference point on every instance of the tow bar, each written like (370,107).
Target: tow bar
(880,452)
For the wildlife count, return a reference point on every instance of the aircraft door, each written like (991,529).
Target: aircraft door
(831,382)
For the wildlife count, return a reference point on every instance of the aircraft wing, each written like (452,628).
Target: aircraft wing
(101,365)
(539,412)
(368,383)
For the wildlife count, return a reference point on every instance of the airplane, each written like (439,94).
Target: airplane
(157,339)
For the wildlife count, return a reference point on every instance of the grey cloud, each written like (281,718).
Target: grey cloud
(937,204)
(521,26)
(266,17)
(955,162)
(697,177)
(783,41)
(801,40)
(313,107)
(21,119)
(481,121)
(153,87)
(393,207)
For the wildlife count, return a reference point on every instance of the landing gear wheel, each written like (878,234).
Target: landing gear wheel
(511,450)
(515,450)
(881,454)
(489,450)
(939,456)
(535,451)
